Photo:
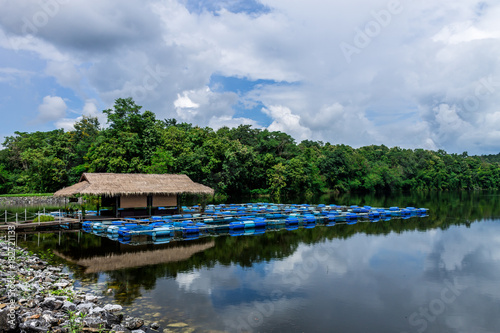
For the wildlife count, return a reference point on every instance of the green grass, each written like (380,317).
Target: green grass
(27,195)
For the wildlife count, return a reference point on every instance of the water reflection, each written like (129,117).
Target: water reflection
(433,274)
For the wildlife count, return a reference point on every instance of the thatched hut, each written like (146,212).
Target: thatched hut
(135,194)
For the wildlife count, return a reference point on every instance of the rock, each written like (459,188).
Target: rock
(23,287)
(54,269)
(85,307)
(6,322)
(119,329)
(32,326)
(133,323)
(49,303)
(58,304)
(94,322)
(91,298)
(112,319)
(35,312)
(113,307)
(96,310)
(50,319)
(68,306)
(32,303)
(61,285)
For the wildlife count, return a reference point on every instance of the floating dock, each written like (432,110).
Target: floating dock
(242,219)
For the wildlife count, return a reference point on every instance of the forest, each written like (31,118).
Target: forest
(233,161)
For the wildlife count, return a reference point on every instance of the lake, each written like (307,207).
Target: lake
(438,273)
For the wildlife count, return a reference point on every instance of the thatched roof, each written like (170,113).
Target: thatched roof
(114,184)
(127,260)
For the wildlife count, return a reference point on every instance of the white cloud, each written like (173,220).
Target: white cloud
(393,92)
(52,108)
(285,121)
(183,102)
(89,110)
(66,124)
(203,106)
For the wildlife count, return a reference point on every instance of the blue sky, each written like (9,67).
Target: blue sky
(420,74)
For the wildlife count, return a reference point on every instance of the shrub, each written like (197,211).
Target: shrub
(44,218)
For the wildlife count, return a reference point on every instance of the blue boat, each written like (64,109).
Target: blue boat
(236,232)
(190,230)
(308,218)
(161,240)
(162,231)
(236,225)
(128,231)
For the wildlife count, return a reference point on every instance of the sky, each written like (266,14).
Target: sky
(413,74)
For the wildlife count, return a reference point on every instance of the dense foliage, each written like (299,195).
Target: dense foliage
(234,161)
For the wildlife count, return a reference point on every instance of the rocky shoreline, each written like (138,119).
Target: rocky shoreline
(38,297)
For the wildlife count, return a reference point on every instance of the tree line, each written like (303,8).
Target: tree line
(233,161)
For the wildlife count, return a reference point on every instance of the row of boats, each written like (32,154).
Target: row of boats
(242,219)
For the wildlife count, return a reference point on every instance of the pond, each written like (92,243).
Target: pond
(437,273)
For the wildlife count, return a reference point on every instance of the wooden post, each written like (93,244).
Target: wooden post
(117,206)
(178,204)
(98,206)
(149,201)
(204,199)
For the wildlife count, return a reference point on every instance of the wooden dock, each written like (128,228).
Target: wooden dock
(23,225)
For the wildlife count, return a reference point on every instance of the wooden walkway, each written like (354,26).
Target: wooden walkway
(34,225)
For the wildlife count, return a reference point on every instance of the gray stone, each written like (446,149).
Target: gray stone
(50,319)
(112,319)
(133,323)
(94,322)
(113,307)
(32,303)
(119,329)
(97,309)
(33,326)
(61,285)
(5,321)
(67,305)
(50,304)
(91,298)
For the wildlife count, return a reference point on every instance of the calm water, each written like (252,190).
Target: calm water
(434,274)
